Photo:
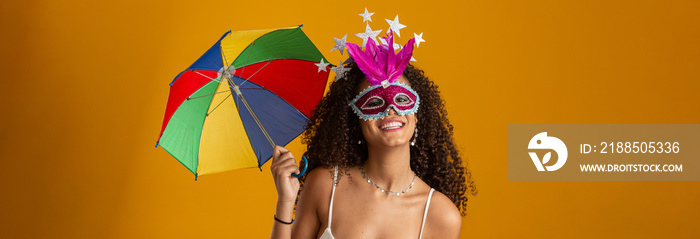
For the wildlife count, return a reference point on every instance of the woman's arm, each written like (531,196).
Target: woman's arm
(314,195)
(317,191)
(282,167)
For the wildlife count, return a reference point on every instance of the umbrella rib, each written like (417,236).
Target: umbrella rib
(252,46)
(192,98)
(250,110)
(212,79)
(269,139)
(245,102)
(251,76)
(217,106)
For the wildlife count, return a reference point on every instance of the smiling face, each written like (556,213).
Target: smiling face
(394,129)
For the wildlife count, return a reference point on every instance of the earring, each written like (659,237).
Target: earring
(359,142)
(415,136)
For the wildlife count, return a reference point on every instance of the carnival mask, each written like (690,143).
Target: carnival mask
(375,102)
(382,66)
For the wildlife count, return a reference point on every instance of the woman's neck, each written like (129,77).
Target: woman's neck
(390,168)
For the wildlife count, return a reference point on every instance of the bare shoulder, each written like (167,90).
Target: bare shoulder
(317,188)
(310,207)
(444,219)
(321,176)
(318,182)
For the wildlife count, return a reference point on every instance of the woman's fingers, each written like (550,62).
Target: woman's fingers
(280,156)
(291,169)
(282,167)
(286,169)
(283,161)
(277,151)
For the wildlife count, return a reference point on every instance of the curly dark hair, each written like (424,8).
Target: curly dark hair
(333,131)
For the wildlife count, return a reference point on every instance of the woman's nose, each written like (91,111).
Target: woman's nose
(391,110)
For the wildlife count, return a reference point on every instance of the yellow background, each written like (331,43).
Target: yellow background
(85,85)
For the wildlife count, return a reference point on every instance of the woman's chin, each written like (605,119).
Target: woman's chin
(391,144)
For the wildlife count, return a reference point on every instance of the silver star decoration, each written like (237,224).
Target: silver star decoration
(396,45)
(419,38)
(413,59)
(367,34)
(340,70)
(367,16)
(340,44)
(322,65)
(395,26)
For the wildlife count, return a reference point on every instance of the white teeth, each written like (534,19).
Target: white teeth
(392,125)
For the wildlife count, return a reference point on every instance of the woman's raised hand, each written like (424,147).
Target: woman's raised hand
(282,167)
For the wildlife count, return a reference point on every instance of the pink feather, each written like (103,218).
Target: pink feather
(380,63)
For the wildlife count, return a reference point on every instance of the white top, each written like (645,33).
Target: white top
(327,234)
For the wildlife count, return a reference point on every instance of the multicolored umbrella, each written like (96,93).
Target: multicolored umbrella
(250,91)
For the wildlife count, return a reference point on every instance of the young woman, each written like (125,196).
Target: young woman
(381,157)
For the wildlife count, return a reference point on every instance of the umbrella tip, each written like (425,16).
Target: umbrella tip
(157,143)
(195,177)
(301,25)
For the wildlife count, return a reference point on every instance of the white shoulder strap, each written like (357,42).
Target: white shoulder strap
(425,214)
(330,208)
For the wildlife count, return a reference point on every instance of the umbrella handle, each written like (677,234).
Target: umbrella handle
(303,170)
